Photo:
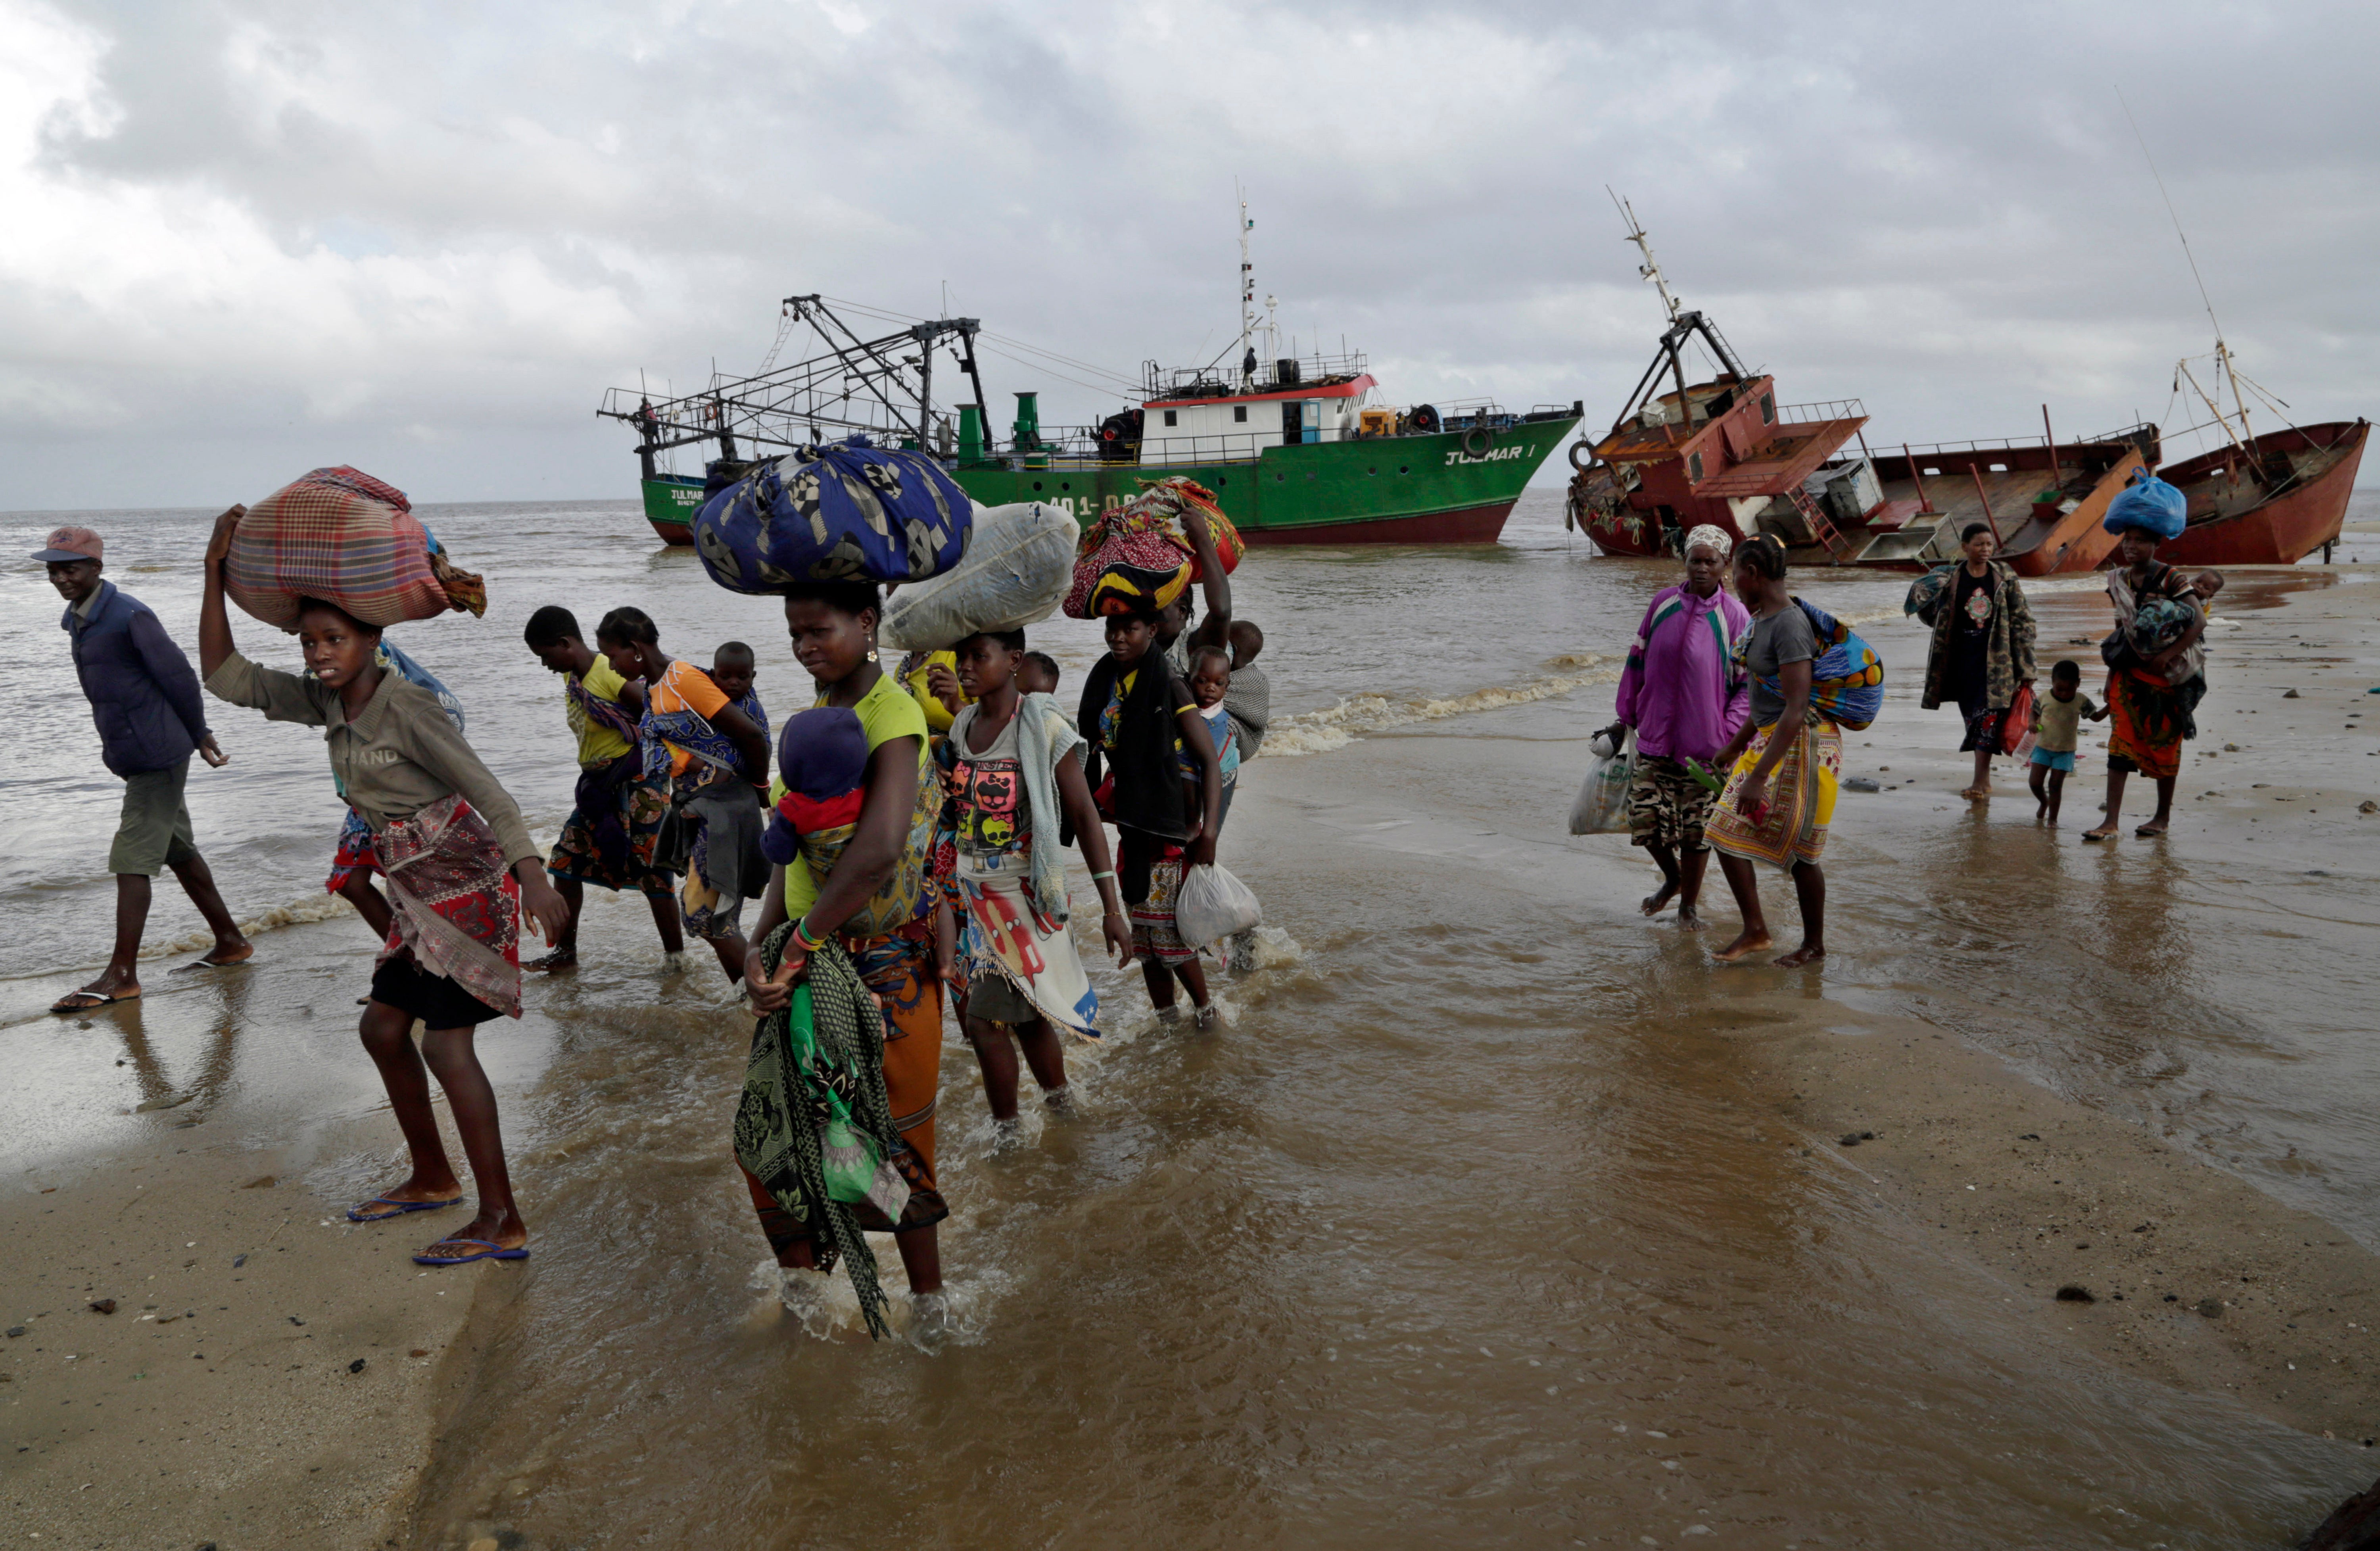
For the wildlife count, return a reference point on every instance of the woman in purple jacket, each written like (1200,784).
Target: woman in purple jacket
(1684,696)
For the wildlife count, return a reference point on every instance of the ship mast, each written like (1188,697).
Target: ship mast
(1651,268)
(1248,293)
(2225,368)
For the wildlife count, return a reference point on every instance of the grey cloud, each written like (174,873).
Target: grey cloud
(1938,207)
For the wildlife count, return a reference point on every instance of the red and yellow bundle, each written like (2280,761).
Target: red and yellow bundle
(1140,557)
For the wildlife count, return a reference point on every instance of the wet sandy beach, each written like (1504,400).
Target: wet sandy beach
(1497,1216)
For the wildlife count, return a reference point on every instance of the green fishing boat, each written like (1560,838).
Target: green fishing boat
(671,501)
(1297,449)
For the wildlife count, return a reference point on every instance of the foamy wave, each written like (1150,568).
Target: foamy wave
(308,908)
(1336,727)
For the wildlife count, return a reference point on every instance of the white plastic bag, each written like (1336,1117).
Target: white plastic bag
(1602,804)
(1019,562)
(1212,905)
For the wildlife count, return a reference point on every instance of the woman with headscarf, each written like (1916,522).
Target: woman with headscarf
(1981,649)
(1784,760)
(1685,698)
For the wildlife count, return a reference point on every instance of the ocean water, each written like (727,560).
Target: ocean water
(1466,1228)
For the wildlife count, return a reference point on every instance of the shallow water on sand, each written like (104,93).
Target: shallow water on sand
(1471,1227)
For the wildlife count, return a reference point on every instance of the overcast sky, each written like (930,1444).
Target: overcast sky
(243,239)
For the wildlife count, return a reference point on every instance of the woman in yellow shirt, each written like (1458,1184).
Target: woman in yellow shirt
(862,886)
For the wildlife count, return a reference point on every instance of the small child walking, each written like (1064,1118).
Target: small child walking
(2057,719)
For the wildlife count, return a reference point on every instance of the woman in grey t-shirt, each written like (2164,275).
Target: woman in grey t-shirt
(1780,793)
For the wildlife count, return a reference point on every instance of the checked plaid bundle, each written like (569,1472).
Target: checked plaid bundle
(348,538)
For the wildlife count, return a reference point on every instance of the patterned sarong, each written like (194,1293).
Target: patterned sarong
(612,836)
(1801,799)
(2147,719)
(1001,934)
(822,1155)
(456,905)
(1155,934)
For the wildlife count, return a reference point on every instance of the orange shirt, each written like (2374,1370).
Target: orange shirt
(683,688)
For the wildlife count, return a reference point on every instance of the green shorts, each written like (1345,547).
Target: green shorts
(155,830)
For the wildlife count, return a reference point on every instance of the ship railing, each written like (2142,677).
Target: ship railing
(1822,409)
(1081,445)
(1224,379)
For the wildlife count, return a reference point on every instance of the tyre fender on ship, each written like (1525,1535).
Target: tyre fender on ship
(1476,441)
(1575,449)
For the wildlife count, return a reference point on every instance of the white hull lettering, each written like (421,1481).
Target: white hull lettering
(1494,455)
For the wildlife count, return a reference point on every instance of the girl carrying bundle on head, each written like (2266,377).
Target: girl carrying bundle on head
(1013,778)
(1142,720)
(461,869)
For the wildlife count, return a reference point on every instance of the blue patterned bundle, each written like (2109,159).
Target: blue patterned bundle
(847,511)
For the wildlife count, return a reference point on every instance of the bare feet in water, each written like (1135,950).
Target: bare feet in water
(1689,919)
(1659,900)
(1808,954)
(1977,793)
(561,958)
(1746,942)
(2105,831)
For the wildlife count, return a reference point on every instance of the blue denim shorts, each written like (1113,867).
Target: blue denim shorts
(2055,760)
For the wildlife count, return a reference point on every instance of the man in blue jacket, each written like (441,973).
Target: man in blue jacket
(145,699)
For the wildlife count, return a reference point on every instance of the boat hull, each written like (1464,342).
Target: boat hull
(2280,531)
(1399,489)
(671,501)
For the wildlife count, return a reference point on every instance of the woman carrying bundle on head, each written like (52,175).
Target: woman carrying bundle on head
(2156,658)
(1013,780)
(1785,760)
(848,915)
(461,869)
(1142,720)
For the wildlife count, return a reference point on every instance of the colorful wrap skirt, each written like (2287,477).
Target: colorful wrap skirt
(1801,799)
(455,905)
(612,836)
(2147,721)
(899,968)
(1155,934)
(1003,939)
(354,853)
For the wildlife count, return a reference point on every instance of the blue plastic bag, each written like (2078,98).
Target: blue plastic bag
(847,511)
(2148,503)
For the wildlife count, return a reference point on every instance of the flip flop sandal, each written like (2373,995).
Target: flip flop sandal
(2092,837)
(355,1213)
(2144,833)
(106,999)
(486,1252)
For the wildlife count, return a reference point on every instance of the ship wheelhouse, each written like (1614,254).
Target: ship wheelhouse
(1231,427)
